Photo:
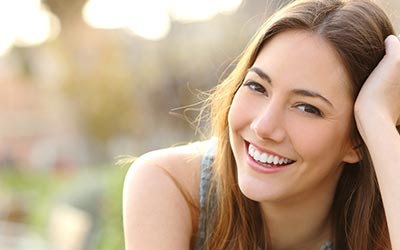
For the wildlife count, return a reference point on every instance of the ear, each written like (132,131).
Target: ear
(353,154)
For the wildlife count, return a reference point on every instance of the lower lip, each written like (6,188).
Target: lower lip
(264,168)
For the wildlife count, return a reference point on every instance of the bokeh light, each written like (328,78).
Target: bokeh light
(152,19)
(25,23)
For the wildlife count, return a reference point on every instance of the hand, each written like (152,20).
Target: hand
(379,98)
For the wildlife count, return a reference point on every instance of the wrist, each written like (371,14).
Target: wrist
(373,123)
(373,116)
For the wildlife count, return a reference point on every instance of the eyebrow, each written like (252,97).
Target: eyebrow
(310,93)
(301,92)
(260,73)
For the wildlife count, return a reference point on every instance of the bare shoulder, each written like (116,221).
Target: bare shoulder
(160,190)
(181,163)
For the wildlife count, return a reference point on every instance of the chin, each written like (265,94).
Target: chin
(261,191)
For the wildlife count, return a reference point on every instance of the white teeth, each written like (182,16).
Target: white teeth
(256,155)
(266,158)
(251,151)
(270,159)
(276,160)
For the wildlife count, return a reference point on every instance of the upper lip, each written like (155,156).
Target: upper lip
(263,150)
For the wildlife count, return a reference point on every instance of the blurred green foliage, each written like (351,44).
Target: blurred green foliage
(34,192)
(111,231)
(37,194)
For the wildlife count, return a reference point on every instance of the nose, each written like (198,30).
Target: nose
(269,122)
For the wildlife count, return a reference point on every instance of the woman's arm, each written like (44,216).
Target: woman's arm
(156,214)
(377,111)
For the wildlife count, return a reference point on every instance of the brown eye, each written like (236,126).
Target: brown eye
(307,108)
(256,87)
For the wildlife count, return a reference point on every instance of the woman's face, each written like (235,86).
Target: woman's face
(290,120)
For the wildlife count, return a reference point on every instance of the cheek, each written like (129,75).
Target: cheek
(237,113)
(318,140)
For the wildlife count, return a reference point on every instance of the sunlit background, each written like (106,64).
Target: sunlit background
(85,82)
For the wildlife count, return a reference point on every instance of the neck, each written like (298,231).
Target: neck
(302,224)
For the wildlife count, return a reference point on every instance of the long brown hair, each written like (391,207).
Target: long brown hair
(357,30)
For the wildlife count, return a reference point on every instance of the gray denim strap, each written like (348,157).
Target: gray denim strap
(205,176)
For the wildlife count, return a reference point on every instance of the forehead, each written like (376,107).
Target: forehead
(303,59)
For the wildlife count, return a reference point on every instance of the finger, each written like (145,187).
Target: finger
(392,51)
(392,44)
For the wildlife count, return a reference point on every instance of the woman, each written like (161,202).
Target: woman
(304,131)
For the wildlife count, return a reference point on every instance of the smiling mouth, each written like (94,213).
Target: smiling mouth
(267,159)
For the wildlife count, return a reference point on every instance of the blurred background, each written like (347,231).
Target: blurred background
(83,82)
